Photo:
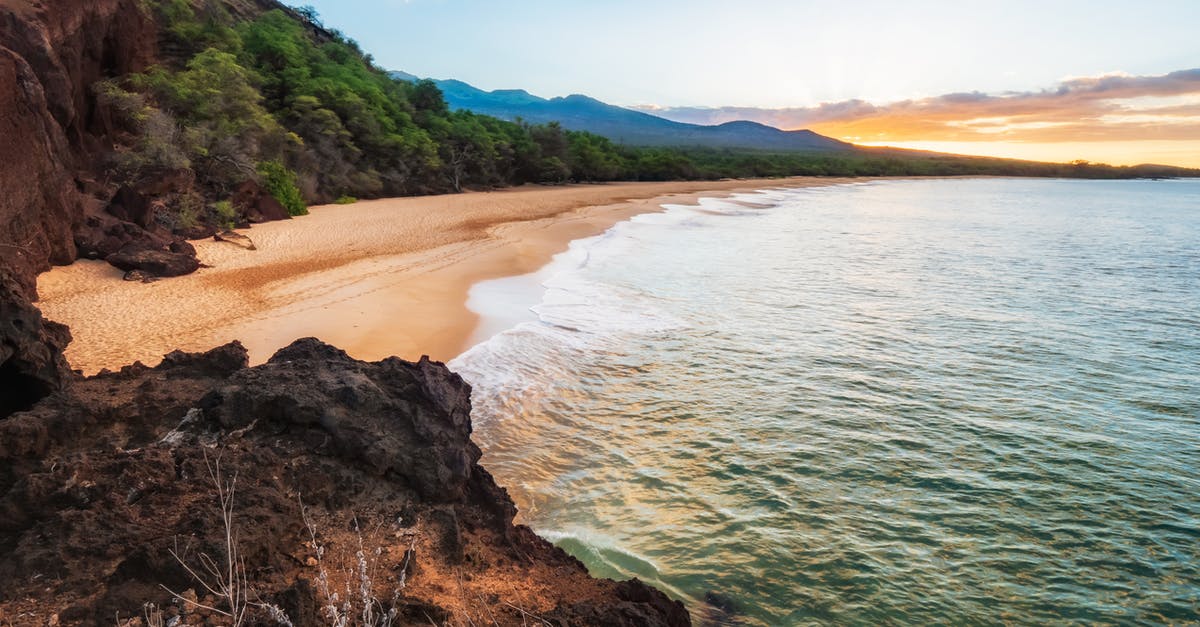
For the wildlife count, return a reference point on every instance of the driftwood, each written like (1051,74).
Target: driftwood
(235,238)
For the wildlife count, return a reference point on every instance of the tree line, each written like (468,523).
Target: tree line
(304,111)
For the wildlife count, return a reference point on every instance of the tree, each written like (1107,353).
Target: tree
(280,182)
(228,130)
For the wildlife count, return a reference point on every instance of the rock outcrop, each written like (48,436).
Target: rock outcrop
(51,53)
(31,350)
(256,204)
(338,476)
(58,204)
(55,207)
(347,473)
(177,260)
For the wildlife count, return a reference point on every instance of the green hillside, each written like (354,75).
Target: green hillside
(275,97)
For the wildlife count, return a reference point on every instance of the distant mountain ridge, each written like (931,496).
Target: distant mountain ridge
(626,126)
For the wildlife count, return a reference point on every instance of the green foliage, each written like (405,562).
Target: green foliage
(226,215)
(158,138)
(593,158)
(345,200)
(227,128)
(357,123)
(280,182)
(186,210)
(280,99)
(193,27)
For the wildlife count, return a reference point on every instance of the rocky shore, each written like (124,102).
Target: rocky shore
(306,489)
(344,477)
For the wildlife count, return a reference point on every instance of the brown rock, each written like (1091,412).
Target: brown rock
(31,351)
(140,203)
(51,53)
(358,444)
(103,235)
(132,206)
(155,263)
(38,207)
(253,202)
(182,247)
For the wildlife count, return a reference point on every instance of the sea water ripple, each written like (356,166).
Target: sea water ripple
(916,402)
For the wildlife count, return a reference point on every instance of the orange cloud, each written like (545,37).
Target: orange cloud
(1104,110)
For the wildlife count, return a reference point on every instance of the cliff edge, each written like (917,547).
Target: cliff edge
(341,488)
(311,490)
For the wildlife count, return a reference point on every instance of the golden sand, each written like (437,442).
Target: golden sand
(376,278)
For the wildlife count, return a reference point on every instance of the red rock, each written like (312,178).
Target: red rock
(256,205)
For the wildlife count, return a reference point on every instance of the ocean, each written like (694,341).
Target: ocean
(967,401)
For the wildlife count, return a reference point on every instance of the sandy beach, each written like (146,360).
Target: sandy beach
(376,278)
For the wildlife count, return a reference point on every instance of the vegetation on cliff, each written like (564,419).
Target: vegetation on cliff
(305,112)
(277,98)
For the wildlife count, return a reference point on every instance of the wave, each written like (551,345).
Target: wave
(563,306)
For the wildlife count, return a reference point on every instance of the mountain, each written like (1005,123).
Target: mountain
(625,126)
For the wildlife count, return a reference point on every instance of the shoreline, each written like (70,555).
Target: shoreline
(377,278)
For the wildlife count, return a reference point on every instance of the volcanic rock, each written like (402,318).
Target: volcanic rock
(341,467)
(51,53)
(109,484)
(156,263)
(31,350)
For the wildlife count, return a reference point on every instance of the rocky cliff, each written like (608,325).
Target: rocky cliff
(308,490)
(344,478)
(50,54)
(58,202)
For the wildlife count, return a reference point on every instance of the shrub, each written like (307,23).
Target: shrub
(187,211)
(345,200)
(280,182)
(225,213)
(158,141)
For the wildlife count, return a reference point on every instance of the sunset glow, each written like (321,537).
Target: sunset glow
(1114,118)
(1108,82)
(1116,153)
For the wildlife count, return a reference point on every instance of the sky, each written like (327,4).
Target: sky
(1020,78)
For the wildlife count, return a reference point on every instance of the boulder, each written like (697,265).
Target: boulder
(154,262)
(103,235)
(364,413)
(133,206)
(141,202)
(256,205)
(182,247)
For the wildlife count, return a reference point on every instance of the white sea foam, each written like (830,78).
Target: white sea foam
(531,324)
(544,326)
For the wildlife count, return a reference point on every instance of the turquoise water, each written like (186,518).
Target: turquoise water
(911,402)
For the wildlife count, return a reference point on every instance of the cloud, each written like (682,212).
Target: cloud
(1112,107)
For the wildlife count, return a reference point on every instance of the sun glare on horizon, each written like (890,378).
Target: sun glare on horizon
(1113,153)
